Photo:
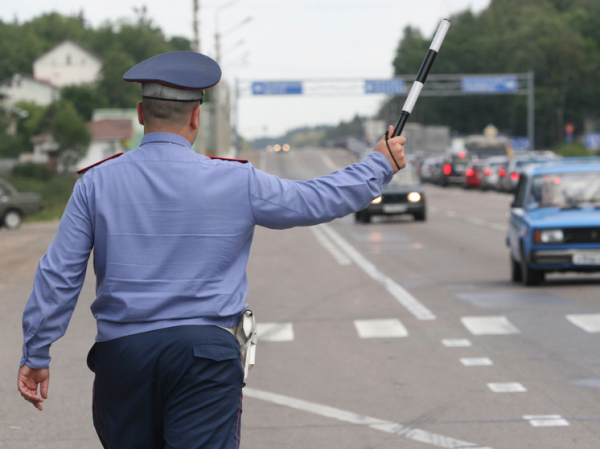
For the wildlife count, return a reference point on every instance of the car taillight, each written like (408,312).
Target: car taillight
(447,169)
(514,176)
(469,172)
(488,171)
(501,172)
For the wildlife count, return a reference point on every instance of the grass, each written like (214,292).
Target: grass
(55,193)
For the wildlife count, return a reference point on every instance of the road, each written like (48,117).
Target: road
(395,334)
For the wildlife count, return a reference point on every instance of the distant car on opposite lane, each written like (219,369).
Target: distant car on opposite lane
(403,195)
(14,205)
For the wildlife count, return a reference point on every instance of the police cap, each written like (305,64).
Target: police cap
(175,76)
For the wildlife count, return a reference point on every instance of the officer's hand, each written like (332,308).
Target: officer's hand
(28,381)
(395,144)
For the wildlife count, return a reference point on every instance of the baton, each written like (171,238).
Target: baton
(415,90)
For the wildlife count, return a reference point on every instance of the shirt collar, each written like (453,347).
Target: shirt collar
(166,138)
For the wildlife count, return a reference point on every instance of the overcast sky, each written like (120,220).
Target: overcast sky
(285,40)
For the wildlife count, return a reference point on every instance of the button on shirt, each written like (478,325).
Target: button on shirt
(171,232)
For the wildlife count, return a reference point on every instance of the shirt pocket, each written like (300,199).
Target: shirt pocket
(216,353)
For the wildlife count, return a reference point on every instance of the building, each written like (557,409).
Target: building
(108,137)
(66,64)
(22,87)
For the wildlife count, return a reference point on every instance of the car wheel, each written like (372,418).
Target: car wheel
(515,270)
(12,219)
(365,218)
(530,276)
(420,216)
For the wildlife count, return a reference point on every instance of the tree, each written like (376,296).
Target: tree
(85,98)
(70,132)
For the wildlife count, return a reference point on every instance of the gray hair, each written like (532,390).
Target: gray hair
(166,112)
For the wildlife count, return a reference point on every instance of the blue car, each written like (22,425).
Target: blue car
(555,220)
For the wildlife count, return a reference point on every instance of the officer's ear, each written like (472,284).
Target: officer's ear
(195,118)
(140,112)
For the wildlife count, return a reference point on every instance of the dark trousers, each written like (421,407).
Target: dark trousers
(174,388)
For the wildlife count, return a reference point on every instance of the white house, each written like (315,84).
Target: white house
(22,87)
(67,63)
(108,137)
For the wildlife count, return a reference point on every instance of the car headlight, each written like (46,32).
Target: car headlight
(413,197)
(377,200)
(549,236)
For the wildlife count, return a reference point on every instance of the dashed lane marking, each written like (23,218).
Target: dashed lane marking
(395,428)
(507,387)
(476,361)
(275,331)
(546,420)
(498,227)
(402,296)
(456,342)
(489,325)
(475,221)
(338,255)
(391,328)
(589,322)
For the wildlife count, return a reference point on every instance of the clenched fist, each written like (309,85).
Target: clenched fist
(396,147)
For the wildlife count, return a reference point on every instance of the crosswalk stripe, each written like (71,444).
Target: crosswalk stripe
(391,328)
(546,420)
(589,322)
(489,325)
(456,342)
(507,387)
(476,361)
(275,332)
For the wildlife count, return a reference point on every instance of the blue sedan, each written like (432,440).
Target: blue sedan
(555,221)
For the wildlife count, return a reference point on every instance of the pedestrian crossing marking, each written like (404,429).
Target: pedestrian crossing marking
(456,342)
(275,332)
(507,387)
(489,325)
(546,420)
(476,361)
(391,328)
(589,322)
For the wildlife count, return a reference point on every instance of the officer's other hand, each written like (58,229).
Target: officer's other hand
(395,144)
(28,381)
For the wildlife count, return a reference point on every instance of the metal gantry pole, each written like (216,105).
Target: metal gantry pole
(531,108)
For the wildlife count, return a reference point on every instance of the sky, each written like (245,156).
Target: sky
(284,40)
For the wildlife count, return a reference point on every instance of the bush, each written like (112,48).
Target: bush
(31,170)
(573,150)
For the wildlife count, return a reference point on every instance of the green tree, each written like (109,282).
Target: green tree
(70,132)
(85,98)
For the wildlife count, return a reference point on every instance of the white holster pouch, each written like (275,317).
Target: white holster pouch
(245,333)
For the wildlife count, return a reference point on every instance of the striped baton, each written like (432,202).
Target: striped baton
(415,90)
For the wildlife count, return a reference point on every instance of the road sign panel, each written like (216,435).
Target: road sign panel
(393,86)
(592,141)
(489,84)
(520,143)
(277,88)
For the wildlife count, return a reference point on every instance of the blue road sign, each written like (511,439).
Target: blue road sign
(520,143)
(394,86)
(592,141)
(489,84)
(277,88)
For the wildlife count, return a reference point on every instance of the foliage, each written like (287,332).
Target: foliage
(30,126)
(33,171)
(85,98)
(70,132)
(10,147)
(558,39)
(573,150)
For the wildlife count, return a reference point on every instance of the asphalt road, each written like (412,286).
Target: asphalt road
(395,334)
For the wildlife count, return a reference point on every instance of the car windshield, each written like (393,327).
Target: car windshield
(404,178)
(565,190)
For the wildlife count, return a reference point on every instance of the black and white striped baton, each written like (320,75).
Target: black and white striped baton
(415,90)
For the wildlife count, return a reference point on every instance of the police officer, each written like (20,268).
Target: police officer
(171,232)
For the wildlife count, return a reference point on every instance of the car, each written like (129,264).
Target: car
(14,205)
(473,174)
(453,169)
(554,223)
(403,195)
(493,171)
(516,165)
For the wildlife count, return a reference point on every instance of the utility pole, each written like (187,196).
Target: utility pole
(196,47)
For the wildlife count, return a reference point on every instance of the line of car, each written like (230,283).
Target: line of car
(15,205)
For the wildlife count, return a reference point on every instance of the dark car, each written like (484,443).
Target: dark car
(14,205)
(403,195)
(454,168)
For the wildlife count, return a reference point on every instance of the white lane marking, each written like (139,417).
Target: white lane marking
(402,296)
(508,387)
(451,214)
(328,162)
(339,256)
(498,227)
(489,325)
(589,322)
(392,328)
(275,331)
(475,221)
(456,342)
(476,361)
(546,420)
(354,418)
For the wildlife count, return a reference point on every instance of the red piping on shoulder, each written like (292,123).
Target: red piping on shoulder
(83,170)
(243,161)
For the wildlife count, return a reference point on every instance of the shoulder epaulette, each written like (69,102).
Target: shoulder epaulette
(243,161)
(83,170)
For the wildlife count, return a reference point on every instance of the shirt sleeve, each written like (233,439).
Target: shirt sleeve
(58,281)
(282,203)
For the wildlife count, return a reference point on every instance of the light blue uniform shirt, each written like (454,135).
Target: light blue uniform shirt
(171,232)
